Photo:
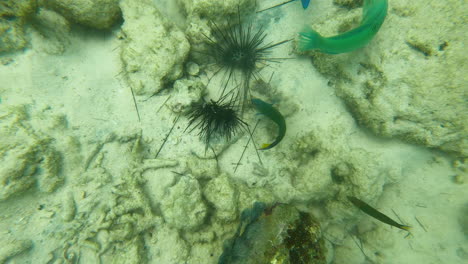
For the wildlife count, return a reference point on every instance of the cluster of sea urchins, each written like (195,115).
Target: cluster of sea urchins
(238,51)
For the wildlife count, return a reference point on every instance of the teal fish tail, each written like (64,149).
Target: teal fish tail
(309,39)
(305,3)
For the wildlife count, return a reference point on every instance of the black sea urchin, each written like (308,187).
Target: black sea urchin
(239,50)
(215,119)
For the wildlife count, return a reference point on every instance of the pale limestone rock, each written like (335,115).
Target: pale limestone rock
(51,33)
(186,92)
(13,247)
(183,207)
(154,49)
(168,247)
(223,195)
(99,14)
(27,155)
(406,84)
(192,68)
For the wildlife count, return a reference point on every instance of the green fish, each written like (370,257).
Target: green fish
(272,113)
(373,16)
(363,206)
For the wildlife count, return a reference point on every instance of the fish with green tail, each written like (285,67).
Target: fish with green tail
(272,113)
(373,16)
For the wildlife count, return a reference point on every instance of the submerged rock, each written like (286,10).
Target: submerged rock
(13,247)
(186,93)
(52,31)
(278,234)
(28,156)
(223,195)
(183,207)
(99,14)
(215,9)
(410,84)
(13,17)
(154,49)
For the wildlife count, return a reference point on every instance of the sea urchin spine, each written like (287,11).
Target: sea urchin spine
(239,49)
(215,119)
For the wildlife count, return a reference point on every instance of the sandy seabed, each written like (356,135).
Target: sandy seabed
(83,177)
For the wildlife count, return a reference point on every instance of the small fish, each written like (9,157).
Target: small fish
(271,112)
(376,214)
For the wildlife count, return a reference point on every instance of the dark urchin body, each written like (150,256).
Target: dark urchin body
(239,49)
(215,119)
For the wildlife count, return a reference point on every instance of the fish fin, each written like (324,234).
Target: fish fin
(406,228)
(264,146)
(309,39)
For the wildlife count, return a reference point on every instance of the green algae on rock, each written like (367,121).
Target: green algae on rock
(28,156)
(348,3)
(215,9)
(99,14)
(13,16)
